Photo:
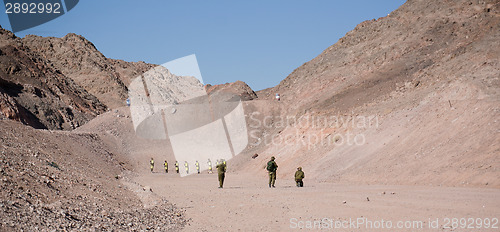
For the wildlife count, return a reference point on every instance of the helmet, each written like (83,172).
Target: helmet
(272,158)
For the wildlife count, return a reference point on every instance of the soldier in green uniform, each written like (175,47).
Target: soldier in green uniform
(165,165)
(299,175)
(221,169)
(177,166)
(271,168)
(197,166)
(152,163)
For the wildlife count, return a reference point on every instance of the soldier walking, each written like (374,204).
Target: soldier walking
(165,165)
(176,166)
(299,175)
(221,170)
(271,168)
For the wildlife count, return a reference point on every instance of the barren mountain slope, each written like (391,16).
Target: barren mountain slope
(33,91)
(422,41)
(60,83)
(411,98)
(78,58)
(239,88)
(57,180)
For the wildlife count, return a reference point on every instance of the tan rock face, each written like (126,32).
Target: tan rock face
(428,72)
(61,83)
(239,88)
(9,108)
(426,41)
(43,92)
(54,180)
(78,59)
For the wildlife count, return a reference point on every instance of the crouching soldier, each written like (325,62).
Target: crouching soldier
(299,175)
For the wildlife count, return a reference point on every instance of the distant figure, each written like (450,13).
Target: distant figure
(165,165)
(197,166)
(187,167)
(176,166)
(152,163)
(209,166)
(128,101)
(278,96)
(299,175)
(271,168)
(221,170)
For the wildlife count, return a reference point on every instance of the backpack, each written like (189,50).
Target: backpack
(270,166)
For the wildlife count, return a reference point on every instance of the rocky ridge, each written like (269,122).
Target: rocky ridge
(38,93)
(78,59)
(428,73)
(55,180)
(60,83)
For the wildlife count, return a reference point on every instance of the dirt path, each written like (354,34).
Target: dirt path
(247,204)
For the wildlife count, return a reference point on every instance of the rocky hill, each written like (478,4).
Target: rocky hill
(418,89)
(66,181)
(59,83)
(78,59)
(60,180)
(421,42)
(239,88)
(33,91)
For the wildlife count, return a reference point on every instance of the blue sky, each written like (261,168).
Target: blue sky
(258,42)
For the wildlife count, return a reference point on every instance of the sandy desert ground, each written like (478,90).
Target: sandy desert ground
(247,204)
